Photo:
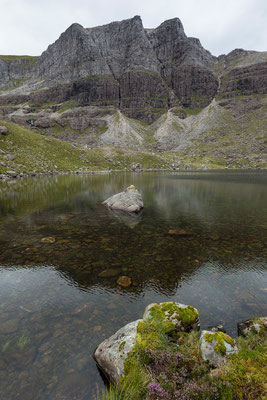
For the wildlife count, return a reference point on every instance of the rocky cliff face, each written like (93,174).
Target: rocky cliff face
(16,70)
(141,71)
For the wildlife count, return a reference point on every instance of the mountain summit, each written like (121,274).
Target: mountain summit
(126,85)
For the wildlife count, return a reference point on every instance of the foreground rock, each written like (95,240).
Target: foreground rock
(130,200)
(181,317)
(215,346)
(256,325)
(111,354)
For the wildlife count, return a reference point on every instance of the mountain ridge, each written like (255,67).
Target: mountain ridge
(123,85)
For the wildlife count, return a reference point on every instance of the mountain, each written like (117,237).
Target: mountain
(156,89)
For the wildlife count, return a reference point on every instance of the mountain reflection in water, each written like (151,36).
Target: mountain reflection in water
(62,253)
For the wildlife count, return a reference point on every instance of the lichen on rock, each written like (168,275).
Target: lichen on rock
(220,338)
(215,346)
(173,315)
(130,200)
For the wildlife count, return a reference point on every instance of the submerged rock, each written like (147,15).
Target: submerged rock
(130,200)
(124,281)
(129,219)
(49,239)
(215,346)
(217,328)
(108,273)
(179,232)
(257,325)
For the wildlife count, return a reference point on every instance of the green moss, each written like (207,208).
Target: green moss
(15,58)
(6,345)
(68,105)
(192,111)
(122,345)
(220,338)
(188,315)
(23,342)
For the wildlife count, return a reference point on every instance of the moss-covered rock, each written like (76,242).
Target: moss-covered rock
(175,317)
(256,325)
(129,348)
(215,346)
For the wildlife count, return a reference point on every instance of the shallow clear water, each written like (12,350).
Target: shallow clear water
(55,307)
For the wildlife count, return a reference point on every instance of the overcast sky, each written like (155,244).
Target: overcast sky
(29,26)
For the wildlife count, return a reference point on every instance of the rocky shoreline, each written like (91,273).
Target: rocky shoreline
(166,331)
(13,175)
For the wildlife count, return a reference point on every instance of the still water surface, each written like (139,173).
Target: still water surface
(55,304)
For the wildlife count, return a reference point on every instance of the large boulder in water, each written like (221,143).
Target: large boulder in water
(130,200)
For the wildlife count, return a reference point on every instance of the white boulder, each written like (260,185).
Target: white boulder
(130,200)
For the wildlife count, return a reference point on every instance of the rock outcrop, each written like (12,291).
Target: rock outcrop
(138,70)
(130,200)
(112,353)
(256,325)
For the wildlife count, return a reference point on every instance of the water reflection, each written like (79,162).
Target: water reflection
(62,253)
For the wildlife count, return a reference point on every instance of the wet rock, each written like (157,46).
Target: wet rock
(19,359)
(179,232)
(130,200)
(124,281)
(97,328)
(9,326)
(217,328)
(257,325)
(49,239)
(131,220)
(107,273)
(111,354)
(216,346)
(72,386)
(2,365)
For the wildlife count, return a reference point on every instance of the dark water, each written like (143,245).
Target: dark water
(55,308)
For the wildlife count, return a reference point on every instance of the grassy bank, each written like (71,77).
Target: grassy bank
(24,151)
(170,367)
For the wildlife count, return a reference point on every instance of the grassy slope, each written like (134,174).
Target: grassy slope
(34,152)
(232,135)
